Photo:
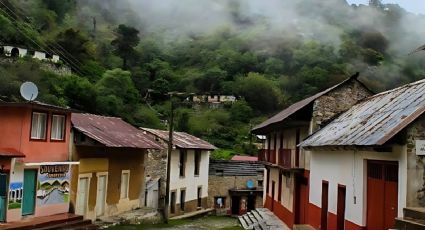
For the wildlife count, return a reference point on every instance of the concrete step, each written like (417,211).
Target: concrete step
(408,223)
(76,224)
(41,222)
(243,222)
(248,220)
(263,225)
(257,216)
(414,213)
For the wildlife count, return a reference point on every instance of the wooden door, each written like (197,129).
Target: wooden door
(382,194)
(28,203)
(340,209)
(82,195)
(101,195)
(3,196)
(301,200)
(324,210)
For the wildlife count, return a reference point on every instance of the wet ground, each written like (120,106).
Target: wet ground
(206,223)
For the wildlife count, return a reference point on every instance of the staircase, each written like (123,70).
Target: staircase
(414,219)
(60,222)
(261,219)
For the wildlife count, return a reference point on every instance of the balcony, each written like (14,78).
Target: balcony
(285,158)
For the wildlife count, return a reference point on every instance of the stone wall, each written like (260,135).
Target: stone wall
(328,106)
(156,167)
(415,165)
(219,186)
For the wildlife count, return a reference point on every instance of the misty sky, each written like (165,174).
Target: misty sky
(415,6)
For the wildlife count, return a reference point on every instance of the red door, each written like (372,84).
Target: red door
(340,208)
(382,187)
(324,211)
(301,197)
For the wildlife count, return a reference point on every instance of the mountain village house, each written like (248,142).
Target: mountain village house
(110,176)
(35,171)
(367,166)
(235,186)
(288,171)
(188,170)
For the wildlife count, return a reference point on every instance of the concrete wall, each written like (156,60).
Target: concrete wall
(349,168)
(189,182)
(109,161)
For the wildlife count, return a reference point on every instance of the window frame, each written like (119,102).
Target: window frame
(197,160)
(46,126)
(64,128)
(128,185)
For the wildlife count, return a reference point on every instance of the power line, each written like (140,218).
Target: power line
(75,66)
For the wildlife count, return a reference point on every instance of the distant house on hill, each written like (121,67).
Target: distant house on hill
(189,171)
(15,51)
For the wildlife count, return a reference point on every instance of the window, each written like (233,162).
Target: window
(260,183)
(125,178)
(197,161)
(38,126)
(199,197)
(58,128)
(220,202)
(182,162)
(182,199)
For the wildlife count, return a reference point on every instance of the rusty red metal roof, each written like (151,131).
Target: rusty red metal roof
(182,139)
(244,158)
(112,131)
(281,116)
(375,120)
(10,152)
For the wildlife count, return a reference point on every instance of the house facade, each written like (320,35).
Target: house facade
(110,176)
(235,187)
(288,171)
(188,171)
(35,171)
(367,165)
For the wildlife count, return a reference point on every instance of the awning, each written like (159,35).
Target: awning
(9,152)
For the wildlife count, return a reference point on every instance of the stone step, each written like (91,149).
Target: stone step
(414,212)
(248,220)
(243,222)
(252,217)
(408,223)
(257,216)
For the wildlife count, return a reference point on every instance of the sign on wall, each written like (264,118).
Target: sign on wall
(53,184)
(420,147)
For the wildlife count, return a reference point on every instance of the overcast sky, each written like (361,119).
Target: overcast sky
(415,6)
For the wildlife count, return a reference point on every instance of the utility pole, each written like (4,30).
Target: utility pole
(170,150)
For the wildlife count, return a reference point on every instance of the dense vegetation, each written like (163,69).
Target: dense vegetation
(124,67)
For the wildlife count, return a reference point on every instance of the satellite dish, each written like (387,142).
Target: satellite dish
(29,91)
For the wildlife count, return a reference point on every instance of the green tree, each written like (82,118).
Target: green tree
(126,39)
(76,44)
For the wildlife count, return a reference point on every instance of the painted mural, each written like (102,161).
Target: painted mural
(53,184)
(15,195)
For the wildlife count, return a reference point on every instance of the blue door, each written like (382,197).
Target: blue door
(3,196)
(28,201)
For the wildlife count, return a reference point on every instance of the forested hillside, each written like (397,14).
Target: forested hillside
(127,55)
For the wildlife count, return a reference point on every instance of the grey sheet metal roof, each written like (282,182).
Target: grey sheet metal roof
(297,106)
(375,120)
(235,168)
(182,139)
(112,131)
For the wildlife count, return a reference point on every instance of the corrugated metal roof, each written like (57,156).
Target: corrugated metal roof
(112,131)
(235,168)
(298,106)
(9,152)
(375,120)
(182,139)
(244,158)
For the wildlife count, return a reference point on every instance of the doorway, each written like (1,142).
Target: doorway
(324,211)
(82,195)
(3,196)
(382,194)
(340,208)
(273,186)
(28,203)
(173,202)
(251,203)
(236,202)
(301,200)
(101,195)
